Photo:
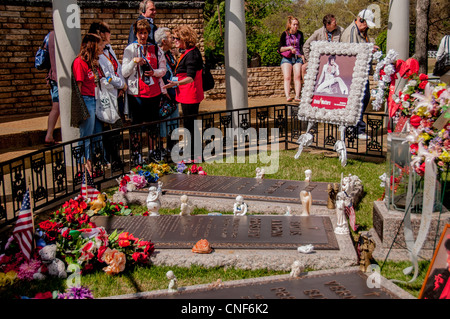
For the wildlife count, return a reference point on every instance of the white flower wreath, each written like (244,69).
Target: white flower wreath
(350,114)
(387,64)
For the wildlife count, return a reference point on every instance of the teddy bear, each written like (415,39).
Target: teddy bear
(99,203)
(54,265)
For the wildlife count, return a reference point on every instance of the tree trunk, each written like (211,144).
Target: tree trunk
(421,54)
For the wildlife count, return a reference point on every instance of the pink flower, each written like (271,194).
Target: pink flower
(28,269)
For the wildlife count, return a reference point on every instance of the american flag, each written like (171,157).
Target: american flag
(350,211)
(88,189)
(23,231)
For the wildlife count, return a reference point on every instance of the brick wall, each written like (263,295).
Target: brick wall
(262,82)
(24,24)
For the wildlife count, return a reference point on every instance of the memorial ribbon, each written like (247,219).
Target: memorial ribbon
(340,148)
(429,191)
(304,140)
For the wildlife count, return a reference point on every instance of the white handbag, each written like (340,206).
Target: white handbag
(107,109)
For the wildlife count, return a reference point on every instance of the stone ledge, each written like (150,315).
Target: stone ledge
(388,222)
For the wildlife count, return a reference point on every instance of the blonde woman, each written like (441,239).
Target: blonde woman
(188,75)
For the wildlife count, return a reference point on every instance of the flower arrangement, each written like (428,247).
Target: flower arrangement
(430,128)
(140,176)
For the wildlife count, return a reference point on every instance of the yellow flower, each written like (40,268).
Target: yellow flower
(445,157)
(424,136)
(8,278)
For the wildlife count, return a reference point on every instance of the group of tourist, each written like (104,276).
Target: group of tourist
(148,72)
(295,52)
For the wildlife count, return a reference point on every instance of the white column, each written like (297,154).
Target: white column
(66,23)
(235,55)
(398,28)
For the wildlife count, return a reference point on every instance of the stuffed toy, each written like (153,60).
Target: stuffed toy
(54,265)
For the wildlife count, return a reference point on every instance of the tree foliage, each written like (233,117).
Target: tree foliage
(266,20)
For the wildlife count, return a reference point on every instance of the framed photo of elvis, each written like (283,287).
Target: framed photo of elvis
(437,281)
(335,81)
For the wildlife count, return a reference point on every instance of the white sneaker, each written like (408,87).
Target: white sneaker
(363,136)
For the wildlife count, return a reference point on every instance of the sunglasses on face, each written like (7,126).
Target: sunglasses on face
(175,38)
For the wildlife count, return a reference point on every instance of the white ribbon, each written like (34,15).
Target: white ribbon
(429,191)
(304,140)
(340,148)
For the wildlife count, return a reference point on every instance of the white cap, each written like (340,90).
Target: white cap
(368,15)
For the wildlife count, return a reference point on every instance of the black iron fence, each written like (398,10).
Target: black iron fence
(55,173)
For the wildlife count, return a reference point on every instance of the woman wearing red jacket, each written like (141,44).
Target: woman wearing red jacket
(188,76)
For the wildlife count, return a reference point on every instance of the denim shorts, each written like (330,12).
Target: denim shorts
(54,91)
(292,60)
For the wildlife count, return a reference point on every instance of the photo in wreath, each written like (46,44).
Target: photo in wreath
(335,81)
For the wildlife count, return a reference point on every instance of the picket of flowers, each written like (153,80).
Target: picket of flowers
(141,176)
(428,138)
(423,104)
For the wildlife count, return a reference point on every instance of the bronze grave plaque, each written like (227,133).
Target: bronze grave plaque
(274,190)
(346,285)
(227,231)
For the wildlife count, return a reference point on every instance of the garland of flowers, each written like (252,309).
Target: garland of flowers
(384,74)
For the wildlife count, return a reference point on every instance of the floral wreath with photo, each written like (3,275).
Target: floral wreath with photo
(349,115)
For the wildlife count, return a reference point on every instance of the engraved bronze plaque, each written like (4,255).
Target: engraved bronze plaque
(250,188)
(346,285)
(227,231)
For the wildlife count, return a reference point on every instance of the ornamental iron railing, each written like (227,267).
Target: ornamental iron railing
(55,173)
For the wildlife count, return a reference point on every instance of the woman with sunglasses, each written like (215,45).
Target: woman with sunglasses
(188,81)
(143,66)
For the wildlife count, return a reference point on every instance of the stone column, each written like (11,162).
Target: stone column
(398,28)
(66,23)
(235,55)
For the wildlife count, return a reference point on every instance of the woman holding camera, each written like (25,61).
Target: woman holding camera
(143,66)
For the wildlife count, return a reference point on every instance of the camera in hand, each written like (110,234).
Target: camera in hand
(144,68)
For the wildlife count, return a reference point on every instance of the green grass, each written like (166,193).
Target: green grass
(324,169)
(141,279)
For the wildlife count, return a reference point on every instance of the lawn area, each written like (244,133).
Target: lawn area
(145,278)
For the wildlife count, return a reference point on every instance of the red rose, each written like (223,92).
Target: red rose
(140,257)
(415,121)
(84,218)
(406,97)
(421,169)
(423,84)
(423,77)
(44,295)
(100,252)
(66,235)
(414,148)
(46,225)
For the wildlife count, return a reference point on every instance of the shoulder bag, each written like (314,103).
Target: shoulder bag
(443,64)
(107,108)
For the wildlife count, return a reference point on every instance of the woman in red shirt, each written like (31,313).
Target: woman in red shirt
(85,72)
(188,76)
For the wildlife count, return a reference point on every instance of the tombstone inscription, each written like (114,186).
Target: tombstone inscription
(249,188)
(344,285)
(227,231)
